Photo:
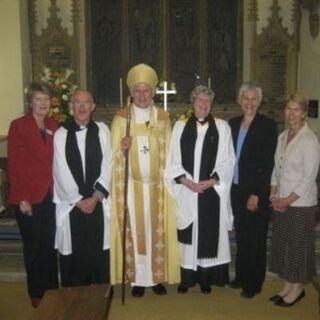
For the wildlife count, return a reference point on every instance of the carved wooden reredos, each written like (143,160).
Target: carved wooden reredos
(54,48)
(274,55)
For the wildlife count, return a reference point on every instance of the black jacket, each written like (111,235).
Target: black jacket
(257,155)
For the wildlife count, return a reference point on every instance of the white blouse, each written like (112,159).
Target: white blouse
(296,167)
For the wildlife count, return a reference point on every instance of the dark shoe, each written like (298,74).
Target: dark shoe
(235,284)
(182,289)
(275,298)
(205,289)
(159,289)
(282,303)
(35,302)
(137,291)
(247,294)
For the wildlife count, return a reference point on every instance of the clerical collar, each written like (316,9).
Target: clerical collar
(72,125)
(202,121)
(82,126)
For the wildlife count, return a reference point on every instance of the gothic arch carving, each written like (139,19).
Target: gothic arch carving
(275,59)
(54,47)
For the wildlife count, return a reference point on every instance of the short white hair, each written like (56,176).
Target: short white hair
(250,85)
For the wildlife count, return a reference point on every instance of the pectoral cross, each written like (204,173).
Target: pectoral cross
(165,93)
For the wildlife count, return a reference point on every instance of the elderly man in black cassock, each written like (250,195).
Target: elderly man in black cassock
(82,175)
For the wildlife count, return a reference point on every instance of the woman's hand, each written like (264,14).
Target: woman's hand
(280,204)
(25,207)
(252,203)
(206,184)
(193,186)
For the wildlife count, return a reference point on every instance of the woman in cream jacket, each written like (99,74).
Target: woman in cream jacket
(294,200)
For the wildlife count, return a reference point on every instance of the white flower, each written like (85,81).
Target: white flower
(64,86)
(47,73)
(68,73)
(64,97)
(56,110)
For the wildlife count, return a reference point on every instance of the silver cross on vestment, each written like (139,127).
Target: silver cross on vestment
(165,92)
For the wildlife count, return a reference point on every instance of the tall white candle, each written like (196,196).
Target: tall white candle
(209,82)
(128,101)
(121,96)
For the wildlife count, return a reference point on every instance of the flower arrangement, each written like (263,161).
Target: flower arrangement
(62,88)
(182,114)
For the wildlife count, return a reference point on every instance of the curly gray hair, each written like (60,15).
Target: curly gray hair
(201,90)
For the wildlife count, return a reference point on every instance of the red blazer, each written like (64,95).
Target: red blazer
(30,159)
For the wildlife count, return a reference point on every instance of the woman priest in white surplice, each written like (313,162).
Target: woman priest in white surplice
(199,174)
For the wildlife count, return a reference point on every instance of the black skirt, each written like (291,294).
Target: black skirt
(292,254)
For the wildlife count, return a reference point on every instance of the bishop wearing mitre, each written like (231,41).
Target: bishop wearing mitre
(152,255)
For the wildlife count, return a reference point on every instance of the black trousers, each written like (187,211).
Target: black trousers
(40,257)
(88,263)
(251,237)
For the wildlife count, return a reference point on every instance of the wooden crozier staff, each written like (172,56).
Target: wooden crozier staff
(125,206)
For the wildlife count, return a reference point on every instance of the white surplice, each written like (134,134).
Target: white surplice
(143,263)
(66,190)
(187,200)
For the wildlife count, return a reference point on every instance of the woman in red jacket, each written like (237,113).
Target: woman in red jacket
(30,154)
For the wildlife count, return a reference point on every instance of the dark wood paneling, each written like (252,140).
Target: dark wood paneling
(144,35)
(106,49)
(222,48)
(184,40)
(184,46)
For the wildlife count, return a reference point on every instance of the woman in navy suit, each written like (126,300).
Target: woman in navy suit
(254,137)
(30,156)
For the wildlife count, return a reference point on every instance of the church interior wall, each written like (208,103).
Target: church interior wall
(11,66)
(309,67)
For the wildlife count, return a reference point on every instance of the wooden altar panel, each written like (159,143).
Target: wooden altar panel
(106,49)
(222,48)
